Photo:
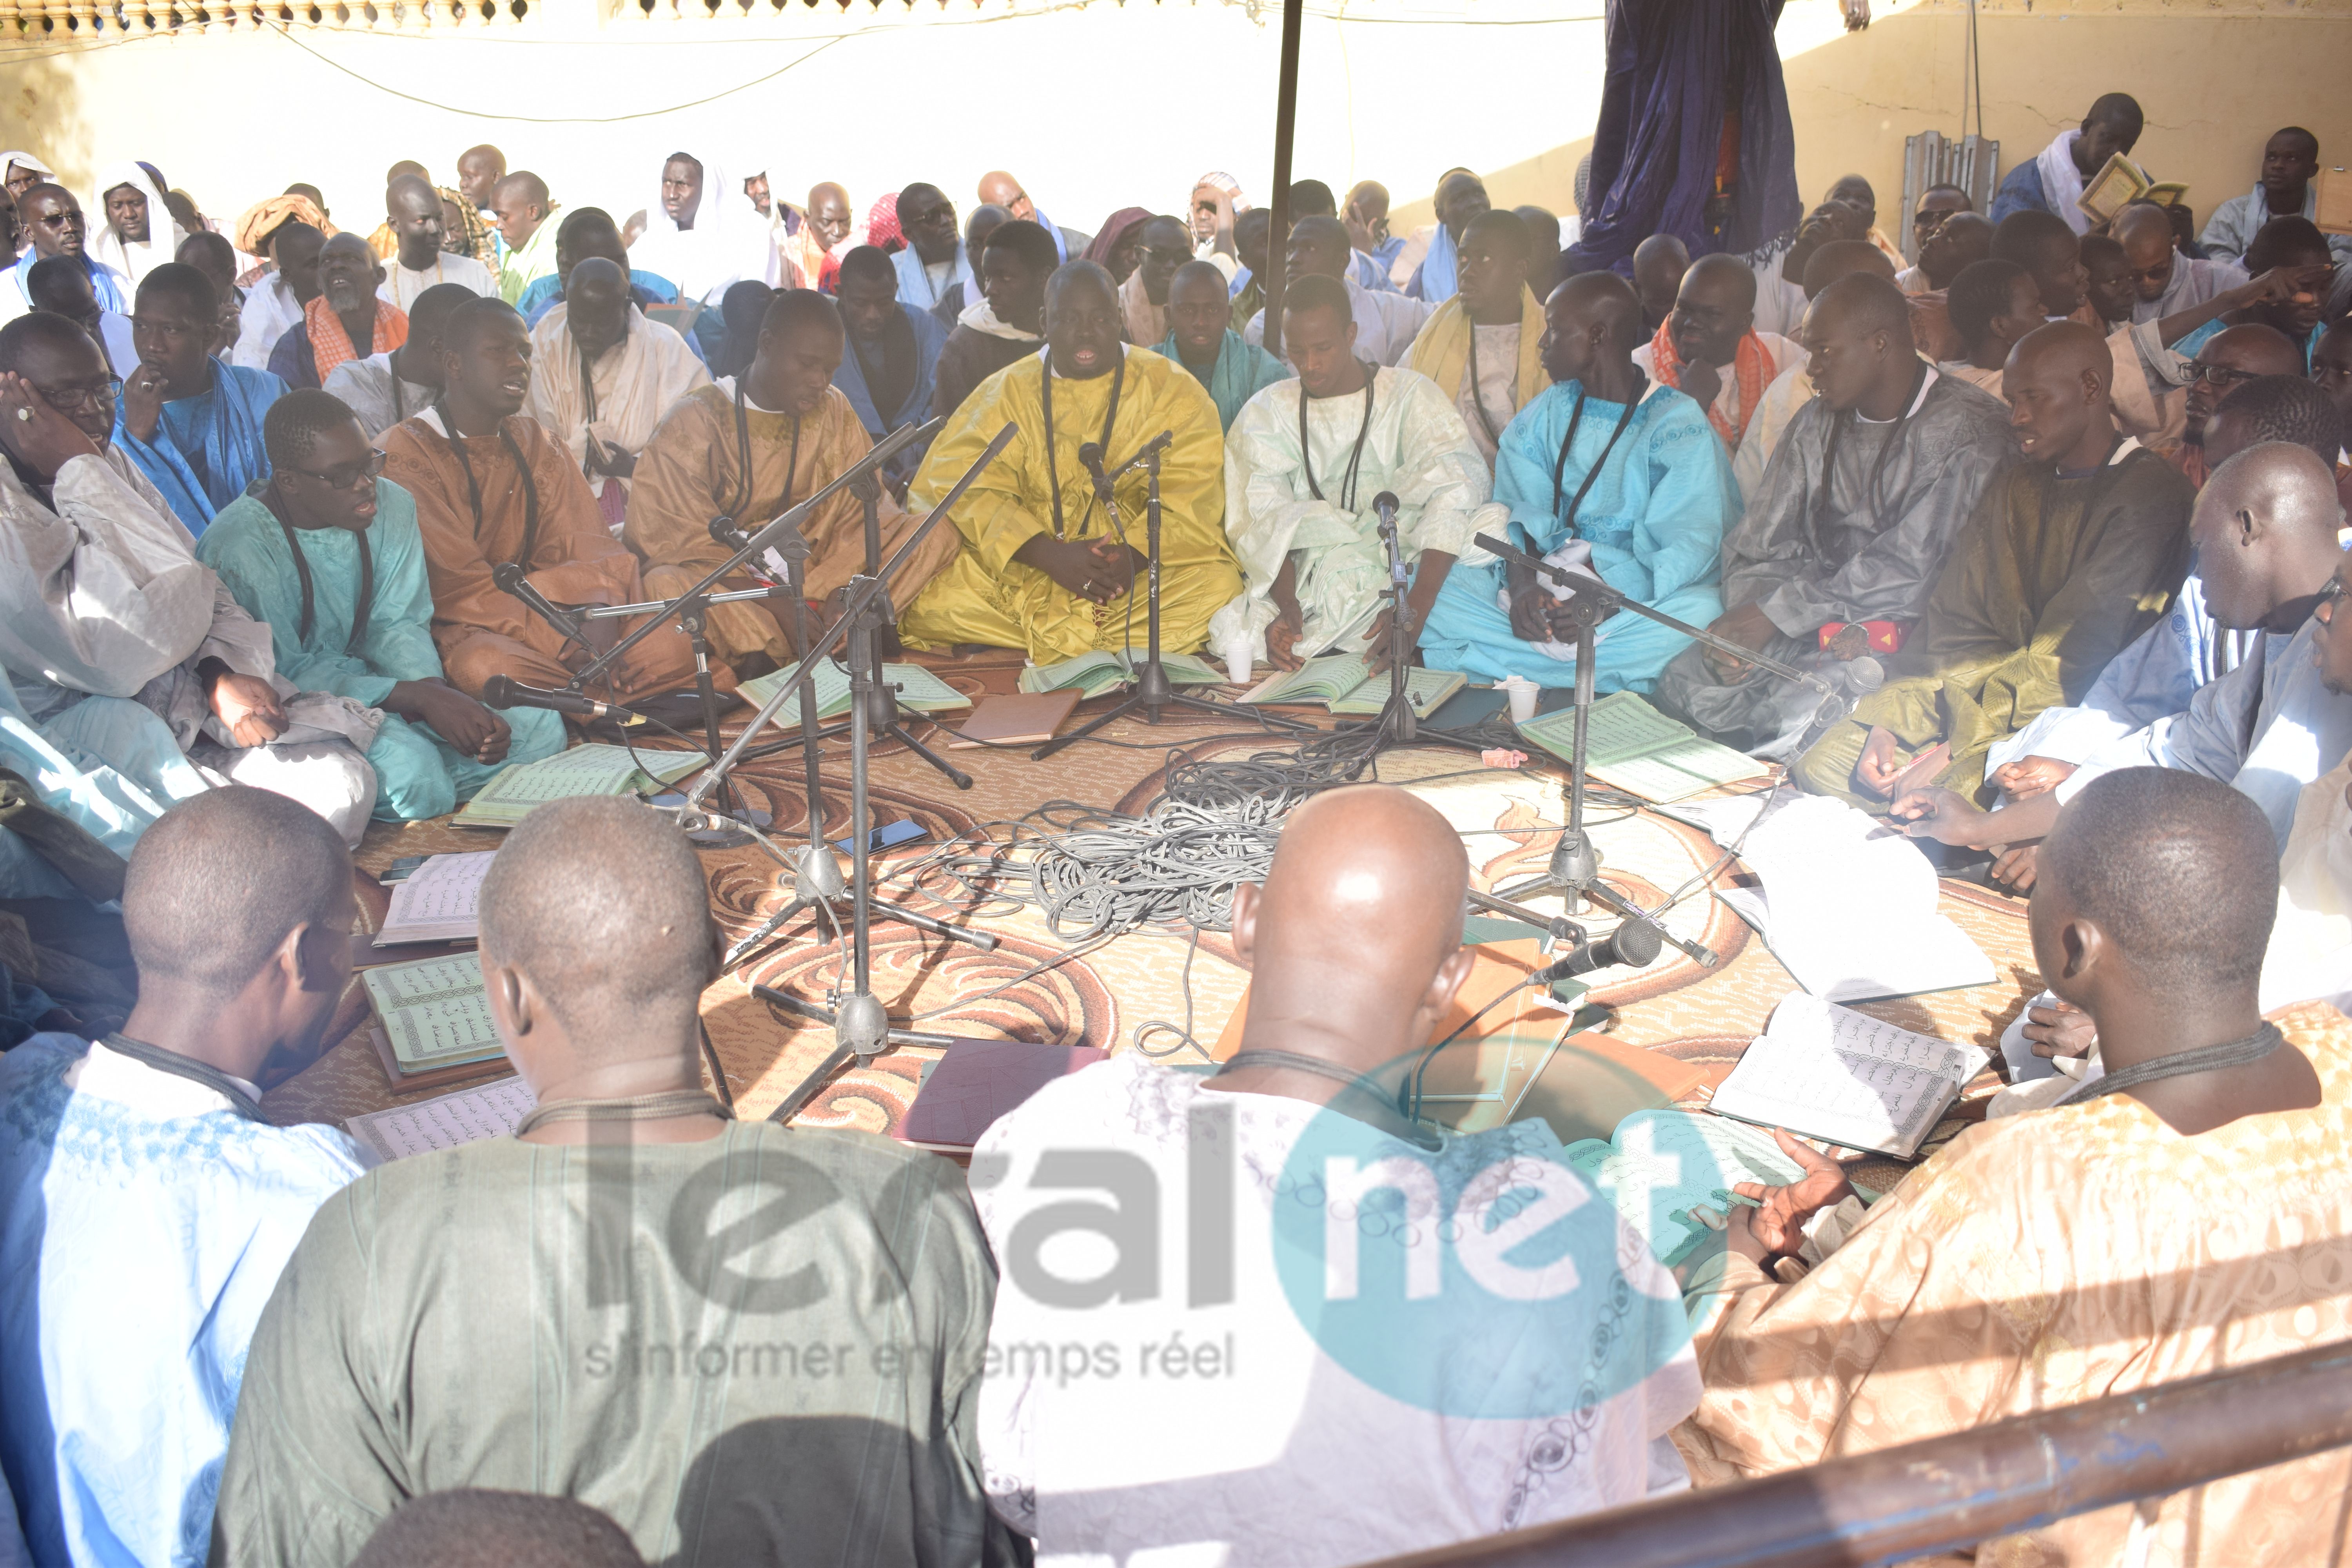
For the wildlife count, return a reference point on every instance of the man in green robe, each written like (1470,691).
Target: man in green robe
(1199,339)
(325,553)
(745,1342)
(2068,556)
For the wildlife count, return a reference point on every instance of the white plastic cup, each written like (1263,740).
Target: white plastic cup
(1522,695)
(1238,664)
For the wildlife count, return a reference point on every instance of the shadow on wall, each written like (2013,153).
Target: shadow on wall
(40,108)
(1548,180)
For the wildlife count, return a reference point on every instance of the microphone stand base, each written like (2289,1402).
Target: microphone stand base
(1136,702)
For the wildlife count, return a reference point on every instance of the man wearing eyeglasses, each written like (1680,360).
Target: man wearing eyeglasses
(1143,298)
(326,553)
(1937,207)
(2228,359)
(141,678)
(52,220)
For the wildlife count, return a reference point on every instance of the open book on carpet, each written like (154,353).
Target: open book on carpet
(1637,749)
(592,768)
(1827,1072)
(918,689)
(1343,683)
(1102,671)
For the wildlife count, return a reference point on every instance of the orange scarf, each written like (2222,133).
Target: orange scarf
(1750,368)
(331,345)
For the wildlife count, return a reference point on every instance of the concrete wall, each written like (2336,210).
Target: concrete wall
(1099,106)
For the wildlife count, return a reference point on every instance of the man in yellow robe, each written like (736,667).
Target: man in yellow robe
(749,447)
(1484,346)
(1042,568)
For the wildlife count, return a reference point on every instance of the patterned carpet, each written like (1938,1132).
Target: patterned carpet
(1676,1030)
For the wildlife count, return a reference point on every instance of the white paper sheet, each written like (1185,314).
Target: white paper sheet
(439,900)
(486,1111)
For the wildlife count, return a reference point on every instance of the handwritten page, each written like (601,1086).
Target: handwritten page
(1848,906)
(1423,689)
(435,1012)
(1831,1073)
(469,1116)
(437,902)
(1635,748)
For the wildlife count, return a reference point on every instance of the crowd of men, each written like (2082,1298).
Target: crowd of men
(2057,502)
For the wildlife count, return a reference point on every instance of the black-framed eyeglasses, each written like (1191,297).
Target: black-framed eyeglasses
(2221,375)
(2328,597)
(89,396)
(347,475)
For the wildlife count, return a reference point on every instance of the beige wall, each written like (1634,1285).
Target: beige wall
(1101,106)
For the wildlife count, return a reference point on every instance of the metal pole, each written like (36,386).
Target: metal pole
(1286,117)
(1944,1492)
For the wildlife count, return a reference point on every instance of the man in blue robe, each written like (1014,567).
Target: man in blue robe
(191,422)
(1606,472)
(147,1207)
(892,352)
(1200,339)
(326,553)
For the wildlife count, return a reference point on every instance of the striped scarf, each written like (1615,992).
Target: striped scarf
(331,345)
(1750,369)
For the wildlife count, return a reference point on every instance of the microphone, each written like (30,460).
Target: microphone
(724,532)
(1635,943)
(511,578)
(1091,456)
(1385,504)
(502,692)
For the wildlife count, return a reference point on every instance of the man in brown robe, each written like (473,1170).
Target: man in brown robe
(748,448)
(491,487)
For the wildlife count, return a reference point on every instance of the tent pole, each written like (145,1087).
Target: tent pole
(1285,118)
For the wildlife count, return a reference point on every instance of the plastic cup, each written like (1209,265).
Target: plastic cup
(1522,695)
(1238,664)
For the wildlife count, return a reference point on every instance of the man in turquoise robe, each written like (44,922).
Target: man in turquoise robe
(326,553)
(191,422)
(1606,472)
(1200,339)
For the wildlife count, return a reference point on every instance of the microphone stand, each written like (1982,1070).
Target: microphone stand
(1398,724)
(1574,872)
(1152,690)
(862,1027)
(881,698)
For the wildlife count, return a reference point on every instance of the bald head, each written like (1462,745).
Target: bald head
(1839,258)
(480,169)
(1659,263)
(2264,530)
(2250,349)
(2064,348)
(2055,380)
(407,166)
(601,905)
(999,189)
(1713,309)
(1593,323)
(1354,942)
(596,304)
(220,882)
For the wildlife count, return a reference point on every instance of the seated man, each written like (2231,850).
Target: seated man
(2295,248)
(412,207)
(1659,263)
(326,553)
(2052,255)
(491,486)
(62,288)
(1200,339)
(276,302)
(2163,282)
(816,1386)
(750,446)
(601,376)
(2053,180)
(1868,488)
(888,372)
(1302,466)
(2223,362)
(1006,324)
(1291,1452)
(1386,323)
(2099,1247)
(580,233)
(191,422)
(1709,347)
(127,655)
(1993,307)
(2264,533)
(1484,346)
(524,210)
(1428,259)
(212,256)
(2289,187)
(1042,568)
(384,389)
(1253,239)
(152,1204)
(1794,388)
(1606,472)
(936,256)
(50,219)
(2069,554)
(1165,245)
(345,322)
(1942,253)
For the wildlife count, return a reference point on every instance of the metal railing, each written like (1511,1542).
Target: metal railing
(1947,1492)
(34,20)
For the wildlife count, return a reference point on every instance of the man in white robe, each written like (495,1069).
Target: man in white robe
(414,211)
(601,376)
(1386,323)
(131,230)
(125,652)
(273,305)
(1300,517)
(149,1206)
(703,234)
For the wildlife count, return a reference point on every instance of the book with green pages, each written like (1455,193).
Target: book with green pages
(433,1014)
(918,689)
(593,769)
(1660,1166)
(1343,683)
(1639,750)
(1103,671)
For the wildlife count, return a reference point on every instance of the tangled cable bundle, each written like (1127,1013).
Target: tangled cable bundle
(1178,866)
